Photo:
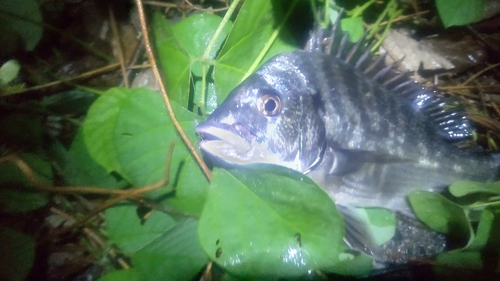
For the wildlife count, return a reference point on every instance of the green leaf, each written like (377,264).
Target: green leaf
(270,221)
(465,265)
(9,71)
(181,48)
(129,131)
(174,255)
(128,232)
(358,266)
(174,60)
(440,214)
(484,231)
(17,254)
(462,188)
(73,102)
(353,26)
(122,275)
(381,223)
(17,194)
(252,30)
(460,12)
(81,170)
(190,191)
(195,33)
(25,18)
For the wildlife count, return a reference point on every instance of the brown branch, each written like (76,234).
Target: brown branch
(152,61)
(119,46)
(55,83)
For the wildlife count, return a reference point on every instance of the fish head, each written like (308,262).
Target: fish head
(271,117)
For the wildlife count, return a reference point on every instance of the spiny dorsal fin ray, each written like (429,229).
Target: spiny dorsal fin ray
(449,122)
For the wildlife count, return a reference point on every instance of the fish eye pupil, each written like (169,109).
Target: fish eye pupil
(270,105)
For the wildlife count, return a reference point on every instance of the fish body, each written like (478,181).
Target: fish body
(365,134)
(365,144)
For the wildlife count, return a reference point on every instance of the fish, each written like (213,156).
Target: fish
(364,132)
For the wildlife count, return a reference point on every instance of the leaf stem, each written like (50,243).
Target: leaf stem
(154,66)
(269,42)
(208,50)
(227,16)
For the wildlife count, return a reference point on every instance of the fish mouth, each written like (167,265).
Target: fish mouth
(233,143)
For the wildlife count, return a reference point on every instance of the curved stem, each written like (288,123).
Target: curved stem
(269,42)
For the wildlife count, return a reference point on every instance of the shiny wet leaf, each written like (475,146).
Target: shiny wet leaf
(176,254)
(129,232)
(269,221)
(129,131)
(252,30)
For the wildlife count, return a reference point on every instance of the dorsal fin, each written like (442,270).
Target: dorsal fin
(444,112)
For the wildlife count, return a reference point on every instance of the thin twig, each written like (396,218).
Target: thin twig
(55,83)
(152,61)
(479,73)
(119,47)
(130,194)
(33,179)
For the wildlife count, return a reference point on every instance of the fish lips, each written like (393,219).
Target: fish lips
(232,143)
(220,137)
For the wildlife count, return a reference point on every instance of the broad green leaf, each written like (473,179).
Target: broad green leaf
(174,60)
(122,275)
(440,214)
(100,126)
(190,190)
(82,170)
(129,131)
(252,30)
(128,232)
(25,18)
(174,255)
(462,188)
(17,254)
(195,33)
(270,221)
(17,194)
(181,48)
(460,12)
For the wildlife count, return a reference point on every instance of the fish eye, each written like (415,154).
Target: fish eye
(269,104)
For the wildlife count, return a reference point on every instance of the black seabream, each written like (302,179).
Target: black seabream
(363,132)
